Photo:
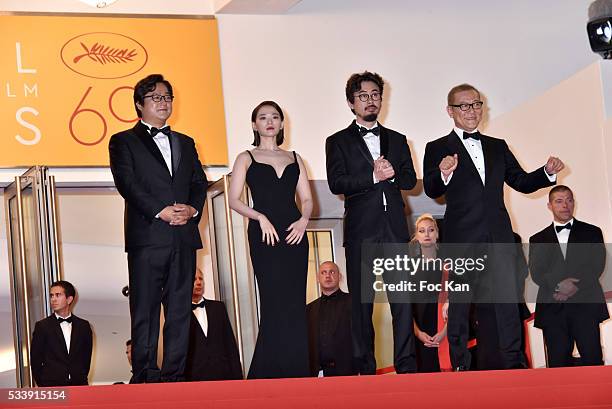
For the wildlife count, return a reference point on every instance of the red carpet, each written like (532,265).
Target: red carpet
(532,388)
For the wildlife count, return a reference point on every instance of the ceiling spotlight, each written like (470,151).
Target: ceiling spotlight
(98,3)
(599,28)
(605,31)
(600,36)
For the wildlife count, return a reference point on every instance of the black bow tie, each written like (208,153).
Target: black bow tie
(68,320)
(165,130)
(567,226)
(364,131)
(199,305)
(475,135)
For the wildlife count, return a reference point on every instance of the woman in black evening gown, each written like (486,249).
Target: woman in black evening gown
(429,332)
(279,251)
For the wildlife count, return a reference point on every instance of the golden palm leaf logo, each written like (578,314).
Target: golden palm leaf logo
(104,55)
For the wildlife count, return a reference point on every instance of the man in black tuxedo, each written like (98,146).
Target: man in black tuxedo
(330,343)
(370,165)
(470,169)
(60,353)
(566,260)
(213,354)
(158,173)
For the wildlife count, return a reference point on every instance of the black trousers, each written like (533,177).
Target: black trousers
(559,340)
(362,296)
(498,345)
(494,292)
(160,275)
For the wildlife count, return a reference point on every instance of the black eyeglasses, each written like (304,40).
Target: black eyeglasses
(374,96)
(466,107)
(158,98)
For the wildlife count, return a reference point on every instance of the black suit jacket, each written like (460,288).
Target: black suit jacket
(342,346)
(349,173)
(51,363)
(477,213)
(213,357)
(143,179)
(585,260)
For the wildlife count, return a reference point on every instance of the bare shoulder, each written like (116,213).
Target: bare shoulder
(299,158)
(243,156)
(243,159)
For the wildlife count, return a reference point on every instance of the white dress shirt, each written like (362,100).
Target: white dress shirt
(563,235)
(163,143)
(66,331)
(200,314)
(372,141)
(474,149)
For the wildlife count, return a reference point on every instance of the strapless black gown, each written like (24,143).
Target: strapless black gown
(282,343)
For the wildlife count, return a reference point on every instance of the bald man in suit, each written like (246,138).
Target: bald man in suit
(213,354)
(470,169)
(330,343)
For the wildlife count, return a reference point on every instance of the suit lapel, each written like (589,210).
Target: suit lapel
(574,232)
(549,234)
(207,309)
(143,134)
(384,142)
(489,160)
(551,237)
(60,334)
(574,237)
(74,335)
(175,145)
(455,145)
(353,129)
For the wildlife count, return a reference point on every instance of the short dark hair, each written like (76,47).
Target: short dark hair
(459,88)
(280,138)
(128,342)
(147,85)
(353,85)
(557,189)
(69,290)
